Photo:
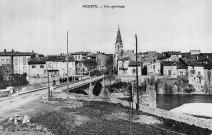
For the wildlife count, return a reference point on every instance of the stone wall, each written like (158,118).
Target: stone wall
(30,87)
(200,122)
(148,97)
(208,81)
(129,78)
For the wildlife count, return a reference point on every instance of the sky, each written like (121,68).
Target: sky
(160,25)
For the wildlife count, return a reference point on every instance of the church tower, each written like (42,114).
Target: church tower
(118,44)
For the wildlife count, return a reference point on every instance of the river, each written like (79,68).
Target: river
(169,102)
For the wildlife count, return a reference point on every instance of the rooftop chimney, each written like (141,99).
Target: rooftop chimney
(32,51)
(5,50)
(12,50)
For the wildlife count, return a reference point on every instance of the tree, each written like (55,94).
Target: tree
(109,66)
(109,63)
(5,72)
(90,64)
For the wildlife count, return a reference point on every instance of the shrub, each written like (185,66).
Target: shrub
(18,79)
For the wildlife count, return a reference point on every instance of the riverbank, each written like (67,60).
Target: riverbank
(83,117)
(65,117)
(196,109)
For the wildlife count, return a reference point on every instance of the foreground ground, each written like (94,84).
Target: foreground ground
(82,117)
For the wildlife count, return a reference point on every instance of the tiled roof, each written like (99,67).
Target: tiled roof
(208,66)
(92,55)
(181,65)
(194,63)
(16,53)
(168,63)
(125,58)
(168,53)
(42,60)
(133,64)
(161,57)
(78,53)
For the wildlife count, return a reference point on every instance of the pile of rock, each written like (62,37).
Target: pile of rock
(21,124)
(18,119)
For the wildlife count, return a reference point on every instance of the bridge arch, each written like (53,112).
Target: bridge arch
(97,88)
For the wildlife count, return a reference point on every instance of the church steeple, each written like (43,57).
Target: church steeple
(118,38)
(118,44)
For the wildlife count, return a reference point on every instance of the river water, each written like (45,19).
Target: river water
(169,102)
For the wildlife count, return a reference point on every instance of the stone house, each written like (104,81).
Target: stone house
(128,67)
(169,69)
(182,69)
(196,75)
(17,60)
(172,53)
(56,65)
(123,66)
(132,68)
(154,68)
(37,68)
(101,59)
(208,79)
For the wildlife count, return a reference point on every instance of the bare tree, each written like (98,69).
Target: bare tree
(90,64)
(6,73)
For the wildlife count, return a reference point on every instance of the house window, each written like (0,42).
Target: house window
(41,66)
(24,69)
(16,61)
(153,66)
(78,56)
(33,66)
(133,70)
(16,69)
(181,72)
(169,72)
(192,71)
(8,61)
(24,60)
(2,61)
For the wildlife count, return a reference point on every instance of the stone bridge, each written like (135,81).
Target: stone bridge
(94,86)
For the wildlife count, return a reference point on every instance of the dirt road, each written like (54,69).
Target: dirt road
(12,104)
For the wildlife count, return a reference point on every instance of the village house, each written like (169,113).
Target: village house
(154,68)
(182,69)
(126,66)
(56,65)
(37,67)
(17,60)
(196,74)
(123,66)
(169,69)
(79,57)
(101,59)
(172,53)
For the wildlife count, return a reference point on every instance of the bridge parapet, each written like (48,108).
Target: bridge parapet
(95,86)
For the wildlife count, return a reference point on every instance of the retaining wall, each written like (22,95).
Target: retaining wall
(4,92)
(199,122)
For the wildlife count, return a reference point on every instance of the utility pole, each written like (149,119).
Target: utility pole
(67,62)
(48,86)
(132,95)
(137,105)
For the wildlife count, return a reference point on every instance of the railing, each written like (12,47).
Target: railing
(83,82)
(123,68)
